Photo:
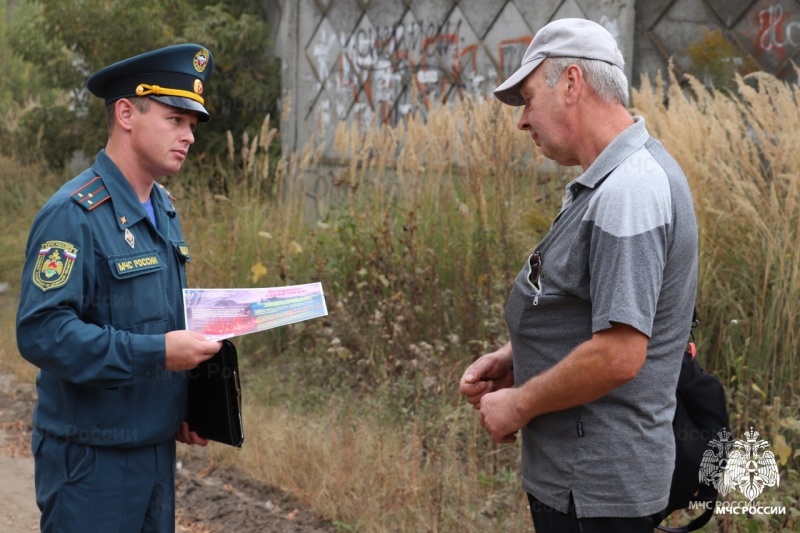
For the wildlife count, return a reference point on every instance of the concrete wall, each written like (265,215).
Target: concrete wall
(763,34)
(379,61)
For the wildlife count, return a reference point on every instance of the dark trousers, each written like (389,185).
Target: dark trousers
(95,489)
(548,520)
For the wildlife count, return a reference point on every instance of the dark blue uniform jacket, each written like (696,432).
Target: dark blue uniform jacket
(100,288)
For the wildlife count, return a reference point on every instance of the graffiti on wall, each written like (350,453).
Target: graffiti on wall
(393,70)
(387,73)
(778,32)
(357,71)
(380,62)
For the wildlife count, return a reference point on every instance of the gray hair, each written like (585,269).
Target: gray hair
(605,79)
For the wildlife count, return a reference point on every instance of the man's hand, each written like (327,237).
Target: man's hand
(500,415)
(187,349)
(187,436)
(491,372)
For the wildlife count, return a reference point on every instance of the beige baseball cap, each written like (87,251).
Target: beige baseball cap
(569,37)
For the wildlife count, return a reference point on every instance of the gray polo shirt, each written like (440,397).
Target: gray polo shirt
(623,249)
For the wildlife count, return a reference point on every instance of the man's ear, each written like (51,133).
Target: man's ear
(574,85)
(123,113)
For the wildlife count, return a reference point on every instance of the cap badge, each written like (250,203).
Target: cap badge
(198,86)
(200,60)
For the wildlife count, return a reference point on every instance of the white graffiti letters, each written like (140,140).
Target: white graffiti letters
(774,34)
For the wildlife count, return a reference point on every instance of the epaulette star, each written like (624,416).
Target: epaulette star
(169,194)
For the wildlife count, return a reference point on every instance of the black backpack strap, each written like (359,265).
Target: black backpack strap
(695,524)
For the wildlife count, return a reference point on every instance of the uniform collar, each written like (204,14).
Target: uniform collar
(163,199)
(126,204)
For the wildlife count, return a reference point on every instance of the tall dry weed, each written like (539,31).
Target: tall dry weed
(741,154)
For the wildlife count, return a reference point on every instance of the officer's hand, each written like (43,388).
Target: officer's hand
(187,436)
(187,349)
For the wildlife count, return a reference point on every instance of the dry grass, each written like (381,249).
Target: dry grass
(741,155)
(23,189)
(374,477)
(10,360)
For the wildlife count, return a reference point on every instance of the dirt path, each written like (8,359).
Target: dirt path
(18,511)
(208,500)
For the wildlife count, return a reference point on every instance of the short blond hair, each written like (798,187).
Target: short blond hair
(141,103)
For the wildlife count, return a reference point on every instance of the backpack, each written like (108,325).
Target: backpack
(700,414)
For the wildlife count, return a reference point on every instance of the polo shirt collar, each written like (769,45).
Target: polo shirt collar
(632,139)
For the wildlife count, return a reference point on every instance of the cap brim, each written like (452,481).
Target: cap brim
(184,103)
(508,91)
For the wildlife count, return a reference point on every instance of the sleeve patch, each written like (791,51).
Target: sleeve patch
(54,265)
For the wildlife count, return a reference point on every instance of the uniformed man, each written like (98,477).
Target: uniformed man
(101,308)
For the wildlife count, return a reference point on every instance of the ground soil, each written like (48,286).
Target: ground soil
(209,500)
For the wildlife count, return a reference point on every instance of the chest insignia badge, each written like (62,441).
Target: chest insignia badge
(129,237)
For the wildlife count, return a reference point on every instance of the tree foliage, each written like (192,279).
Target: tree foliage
(66,40)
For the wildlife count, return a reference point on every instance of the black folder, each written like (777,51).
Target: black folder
(215,398)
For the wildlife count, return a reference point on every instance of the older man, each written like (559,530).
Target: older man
(599,315)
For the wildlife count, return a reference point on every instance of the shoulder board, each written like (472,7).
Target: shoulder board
(165,191)
(91,194)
